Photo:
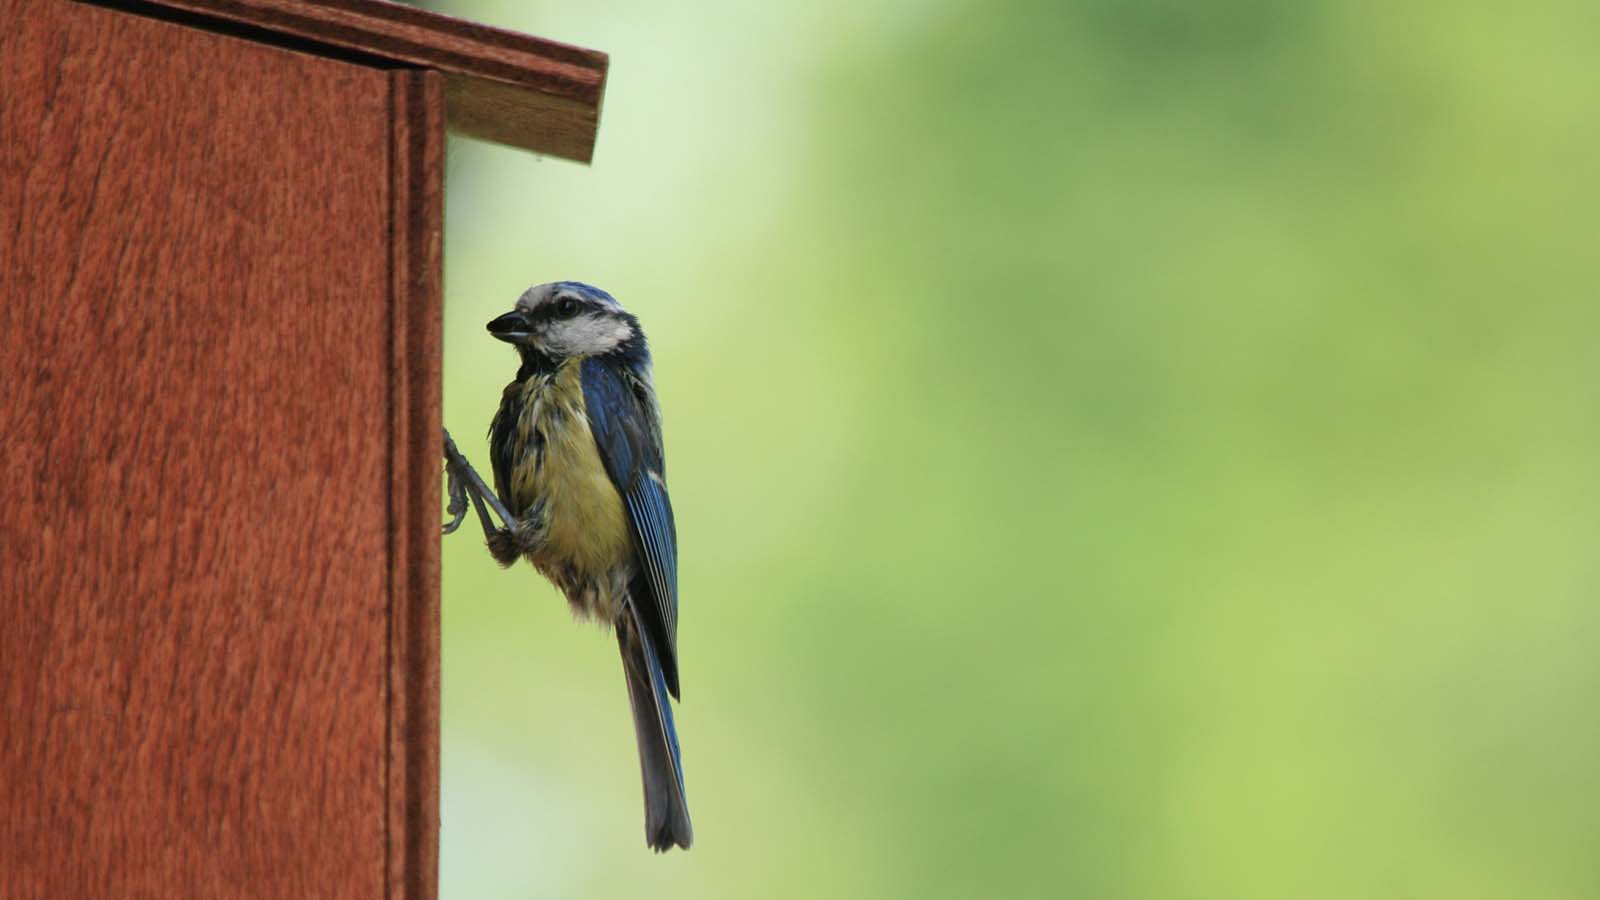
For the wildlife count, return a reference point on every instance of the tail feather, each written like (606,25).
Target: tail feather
(666,811)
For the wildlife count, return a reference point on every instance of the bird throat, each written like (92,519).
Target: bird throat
(535,362)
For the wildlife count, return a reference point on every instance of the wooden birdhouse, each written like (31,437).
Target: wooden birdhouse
(220,228)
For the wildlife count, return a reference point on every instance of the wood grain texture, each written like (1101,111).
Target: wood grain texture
(506,87)
(417,428)
(218,593)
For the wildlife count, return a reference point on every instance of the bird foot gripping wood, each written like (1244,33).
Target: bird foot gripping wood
(463,484)
(458,498)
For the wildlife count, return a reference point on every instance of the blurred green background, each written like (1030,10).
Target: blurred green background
(1121,448)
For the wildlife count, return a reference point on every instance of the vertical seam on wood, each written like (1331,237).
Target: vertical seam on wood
(397,201)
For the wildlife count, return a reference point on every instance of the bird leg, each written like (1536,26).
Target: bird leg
(521,535)
(464,483)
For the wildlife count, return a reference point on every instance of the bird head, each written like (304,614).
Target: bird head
(566,319)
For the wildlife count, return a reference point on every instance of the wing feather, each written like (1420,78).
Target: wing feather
(618,401)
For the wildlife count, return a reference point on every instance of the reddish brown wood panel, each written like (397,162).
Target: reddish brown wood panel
(218,609)
(502,86)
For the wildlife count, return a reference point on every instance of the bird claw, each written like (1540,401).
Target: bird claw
(465,484)
(458,499)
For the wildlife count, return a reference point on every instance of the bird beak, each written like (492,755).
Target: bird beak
(513,328)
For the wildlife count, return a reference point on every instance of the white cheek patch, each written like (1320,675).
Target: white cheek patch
(588,335)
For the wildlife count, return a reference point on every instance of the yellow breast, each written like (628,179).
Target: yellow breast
(588,529)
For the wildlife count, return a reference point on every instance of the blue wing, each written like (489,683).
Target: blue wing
(622,415)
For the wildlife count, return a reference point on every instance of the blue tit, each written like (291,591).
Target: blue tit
(581,483)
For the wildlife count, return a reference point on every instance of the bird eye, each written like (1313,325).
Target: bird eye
(566,307)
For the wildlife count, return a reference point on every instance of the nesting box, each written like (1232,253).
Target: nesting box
(220,229)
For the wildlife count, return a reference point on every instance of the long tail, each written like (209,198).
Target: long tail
(666,812)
